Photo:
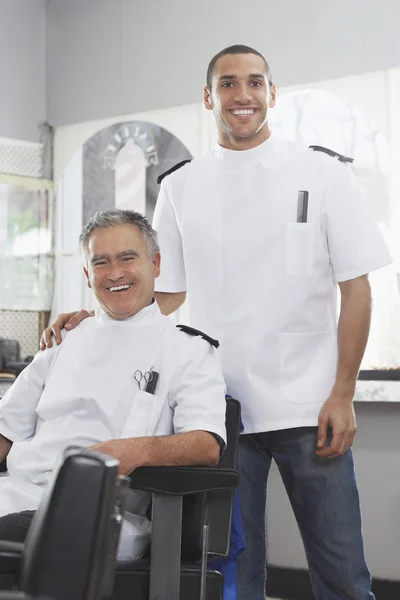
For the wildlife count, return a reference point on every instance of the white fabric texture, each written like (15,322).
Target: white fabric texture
(259,281)
(84,392)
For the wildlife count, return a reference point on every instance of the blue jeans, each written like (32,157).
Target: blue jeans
(324,497)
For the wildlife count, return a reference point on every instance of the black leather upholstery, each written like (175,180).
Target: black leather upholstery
(10,351)
(74,532)
(10,357)
(133,583)
(64,554)
(201,506)
(21,596)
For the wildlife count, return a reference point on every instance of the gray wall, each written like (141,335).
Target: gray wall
(112,57)
(22,68)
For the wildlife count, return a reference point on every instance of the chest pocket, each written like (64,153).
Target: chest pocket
(142,416)
(299,249)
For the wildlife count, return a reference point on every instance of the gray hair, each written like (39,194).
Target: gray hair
(112,217)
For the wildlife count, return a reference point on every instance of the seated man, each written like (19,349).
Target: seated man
(127,383)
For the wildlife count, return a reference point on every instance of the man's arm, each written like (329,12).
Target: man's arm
(171,283)
(353,330)
(197,399)
(169,302)
(5,447)
(18,406)
(194,448)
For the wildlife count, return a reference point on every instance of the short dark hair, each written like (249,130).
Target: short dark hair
(237,49)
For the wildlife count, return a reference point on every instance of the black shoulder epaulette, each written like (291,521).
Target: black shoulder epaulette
(172,169)
(340,157)
(191,331)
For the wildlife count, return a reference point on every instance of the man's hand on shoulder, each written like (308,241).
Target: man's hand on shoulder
(338,414)
(65,320)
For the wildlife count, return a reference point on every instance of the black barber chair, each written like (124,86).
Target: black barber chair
(18,596)
(21,596)
(69,553)
(191,524)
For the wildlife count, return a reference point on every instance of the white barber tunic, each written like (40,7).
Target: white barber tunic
(259,281)
(84,392)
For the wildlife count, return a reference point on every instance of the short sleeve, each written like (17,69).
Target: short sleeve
(18,407)
(197,392)
(355,243)
(172,277)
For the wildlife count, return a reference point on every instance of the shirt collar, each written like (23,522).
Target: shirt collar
(264,152)
(147,314)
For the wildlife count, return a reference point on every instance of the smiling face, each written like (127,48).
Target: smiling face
(240,98)
(119,270)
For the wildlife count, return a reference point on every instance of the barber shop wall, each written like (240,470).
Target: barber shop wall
(23,102)
(191,125)
(121,56)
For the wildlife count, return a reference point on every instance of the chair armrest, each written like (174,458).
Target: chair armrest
(182,481)
(11,549)
(20,596)
(11,555)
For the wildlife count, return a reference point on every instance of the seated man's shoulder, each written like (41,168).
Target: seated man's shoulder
(192,333)
(182,345)
(84,328)
(183,340)
(88,324)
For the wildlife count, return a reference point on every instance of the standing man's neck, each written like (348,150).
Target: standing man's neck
(240,144)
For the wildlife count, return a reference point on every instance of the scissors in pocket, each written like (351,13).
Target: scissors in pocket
(143,379)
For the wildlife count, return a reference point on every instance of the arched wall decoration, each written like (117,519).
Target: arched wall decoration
(161,151)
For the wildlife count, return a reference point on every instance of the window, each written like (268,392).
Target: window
(26,259)
(335,118)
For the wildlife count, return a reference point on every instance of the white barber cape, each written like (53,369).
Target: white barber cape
(84,392)
(260,282)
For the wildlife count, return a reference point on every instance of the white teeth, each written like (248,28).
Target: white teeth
(117,288)
(244,112)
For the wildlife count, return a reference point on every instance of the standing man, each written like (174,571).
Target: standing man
(264,282)
(261,266)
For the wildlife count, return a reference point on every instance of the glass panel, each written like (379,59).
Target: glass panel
(26,248)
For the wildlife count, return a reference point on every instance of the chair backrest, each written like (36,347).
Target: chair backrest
(68,544)
(10,351)
(216,507)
